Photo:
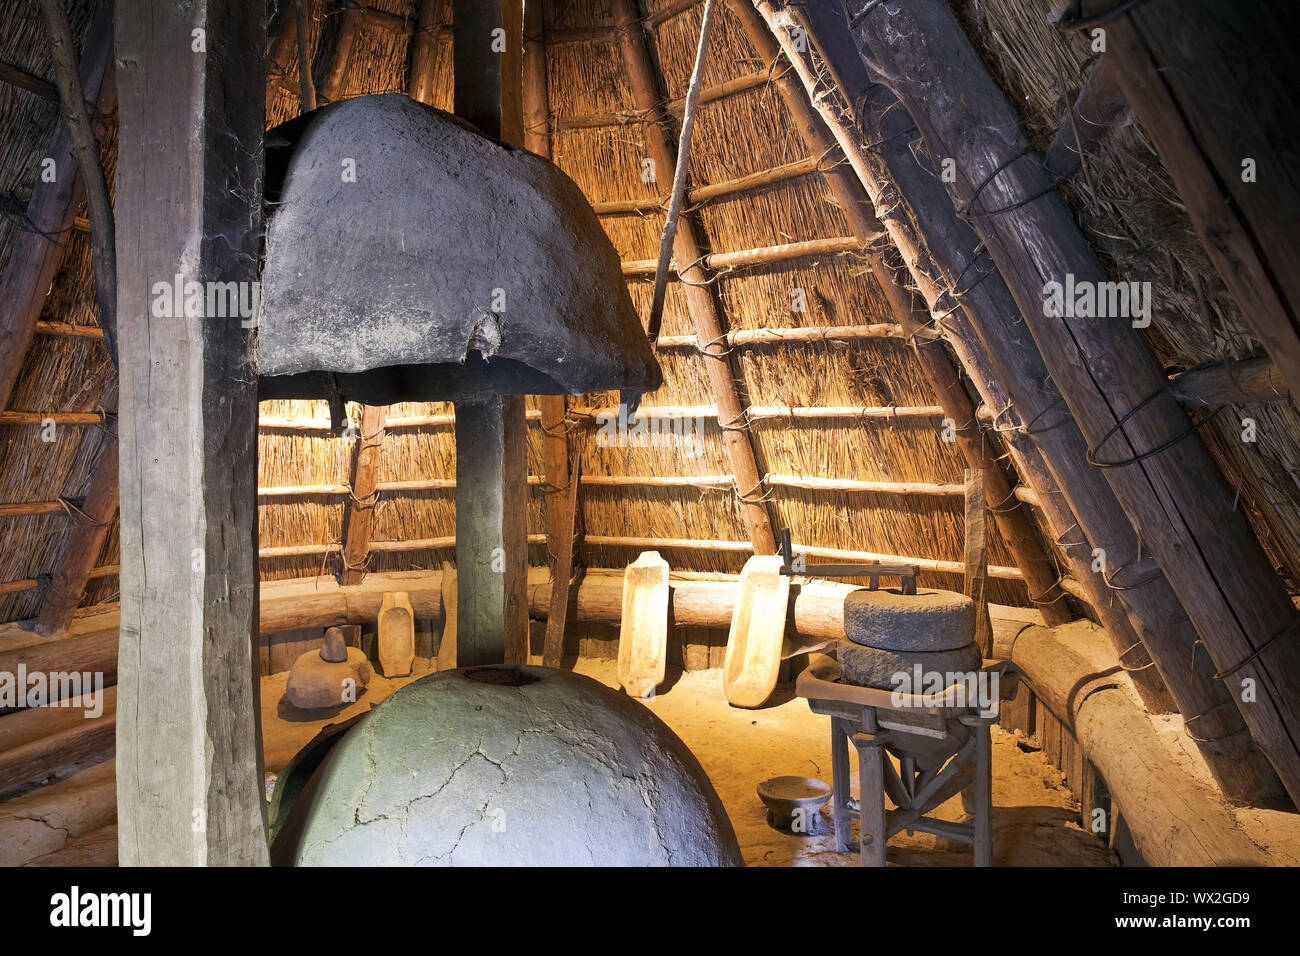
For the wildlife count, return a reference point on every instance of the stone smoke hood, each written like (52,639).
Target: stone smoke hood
(417,259)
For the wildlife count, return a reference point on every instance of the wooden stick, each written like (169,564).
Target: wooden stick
(705,313)
(839,334)
(867,487)
(424,50)
(562,572)
(1097,108)
(23,509)
(767,255)
(839,554)
(336,73)
(1221,383)
(364,494)
(16,76)
(98,206)
(679,176)
(720,190)
(68,330)
(975,557)
(307,96)
(676,108)
(81,552)
(37,251)
(57,418)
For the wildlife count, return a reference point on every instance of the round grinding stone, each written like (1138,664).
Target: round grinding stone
(872,667)
(928,620)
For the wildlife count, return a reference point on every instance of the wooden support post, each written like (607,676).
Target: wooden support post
(976,557)
(190,785)
(282,49)
(1217,129)
(944,378)
(364,494)
(562,486)
(81,553)
(1171,490)
(705,312)
(424,51)
(336,74)
(38,250)
(306,83)
(477,64)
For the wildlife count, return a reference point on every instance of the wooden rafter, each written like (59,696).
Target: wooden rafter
(944,378)
(38,250)
(704,309)
(1171,490)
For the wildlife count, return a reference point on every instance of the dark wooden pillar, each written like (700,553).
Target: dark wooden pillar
(189,766)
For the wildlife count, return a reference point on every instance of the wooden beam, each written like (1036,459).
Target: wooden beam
(674,107)
(562,487)
(336,73)
(750,258)
(1175,819)
(282,49)
(910,310)
(935,246)
(37,251)
(721,190)
(1216,130)
(705,312)
(975,557)
(1099,106)
(17,76)
(81,552)
(811,551)
(1222,383)
(1171,490)
(420,77)
(837,334)
(364,494)
(190,782)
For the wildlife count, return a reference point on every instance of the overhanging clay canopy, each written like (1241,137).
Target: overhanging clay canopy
(409,257)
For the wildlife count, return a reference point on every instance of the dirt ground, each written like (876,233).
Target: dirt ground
(1034,815)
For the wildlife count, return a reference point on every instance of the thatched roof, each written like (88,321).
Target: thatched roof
(1124,201)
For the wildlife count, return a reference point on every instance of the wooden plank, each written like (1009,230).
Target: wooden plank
(705,312)
(1171,491)
(37,251)
(188,415)
(364,494)
(41,740)
(975,556)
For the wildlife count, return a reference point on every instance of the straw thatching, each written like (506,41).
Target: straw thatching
(1124,201)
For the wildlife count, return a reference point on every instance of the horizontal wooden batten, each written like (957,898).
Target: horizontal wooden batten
(711,94)
(381,547)
(747,258)
(32,584)
(57,418)
(839,554)
(865,487)
(721,190)
(24,509)
(68,330)
(16,76)
(842,334)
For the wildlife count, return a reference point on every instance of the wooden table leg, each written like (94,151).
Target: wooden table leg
(983,796)
(840,784)
(871,799)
